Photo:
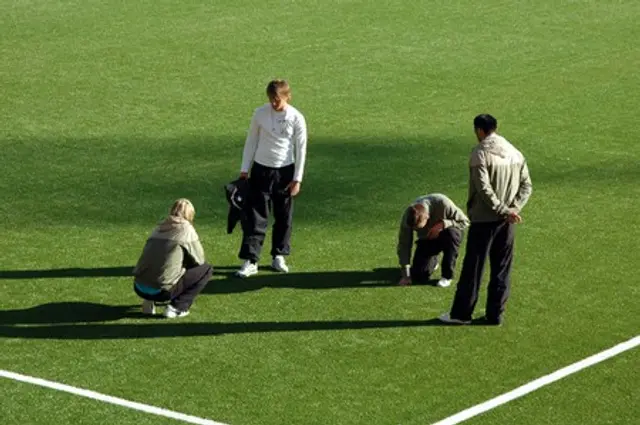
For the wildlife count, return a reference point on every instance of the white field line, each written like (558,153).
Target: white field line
(452,420)
(108,399)
(540,382)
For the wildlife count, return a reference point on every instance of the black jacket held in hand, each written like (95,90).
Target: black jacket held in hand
(237,193)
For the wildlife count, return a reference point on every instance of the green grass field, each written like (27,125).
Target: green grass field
(110,110)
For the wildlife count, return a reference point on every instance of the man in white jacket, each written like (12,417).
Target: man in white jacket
(273,161)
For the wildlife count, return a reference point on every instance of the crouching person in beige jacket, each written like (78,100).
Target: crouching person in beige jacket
(172,267)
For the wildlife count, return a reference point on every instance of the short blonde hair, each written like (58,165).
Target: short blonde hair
(183,208)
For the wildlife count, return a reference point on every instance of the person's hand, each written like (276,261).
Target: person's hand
(294,188)
(405,281)
(514,218)
(244,176)
(435,230)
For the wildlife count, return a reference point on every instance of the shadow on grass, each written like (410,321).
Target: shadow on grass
(69,272)
(84,272)
(76,320)
(172,329)
(382,277)
(162,328)
(69,312)
(343,177)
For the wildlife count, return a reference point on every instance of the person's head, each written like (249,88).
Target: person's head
(484,125)
(417,216)
(279,94)
(183,208)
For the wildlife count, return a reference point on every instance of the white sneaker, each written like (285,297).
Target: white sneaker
(247,269)
(148,307)
(444,283)
(279,264)
(446,318)
(171,312)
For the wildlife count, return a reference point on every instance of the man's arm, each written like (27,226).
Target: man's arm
(300,146)
(482,183)
(525,189)
(250,145)
(405,241)
(454,217)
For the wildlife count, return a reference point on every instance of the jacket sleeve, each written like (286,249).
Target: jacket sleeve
(250,144)
(454,217)
(525,189)
(193,248)
(198,252)
(300,146)
(482,184)
(405,240)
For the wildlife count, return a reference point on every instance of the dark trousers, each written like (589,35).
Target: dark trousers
(183,293)
(496,240)
(426,256)
(268,192)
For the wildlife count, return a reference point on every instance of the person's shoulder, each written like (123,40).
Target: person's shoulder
(514,153)
(182,231)
(439,196)
(421,199)
(405,213)
(295,112)
(190,234)
(261,109)
(478,148)
(477,155)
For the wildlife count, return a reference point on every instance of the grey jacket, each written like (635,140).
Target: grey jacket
(440,208)
(499,180)
(173,244)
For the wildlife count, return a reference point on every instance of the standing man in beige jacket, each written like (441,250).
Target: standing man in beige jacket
(499,188)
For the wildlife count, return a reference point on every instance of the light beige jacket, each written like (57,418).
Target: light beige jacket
(498,180)
(173,244)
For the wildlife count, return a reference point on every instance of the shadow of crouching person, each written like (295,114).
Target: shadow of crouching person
(68,312)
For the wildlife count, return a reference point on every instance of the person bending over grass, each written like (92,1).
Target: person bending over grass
(439,224)
(172,266)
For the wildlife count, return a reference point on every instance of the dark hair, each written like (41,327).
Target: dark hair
(416,214)
(277,87)
(485,122)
